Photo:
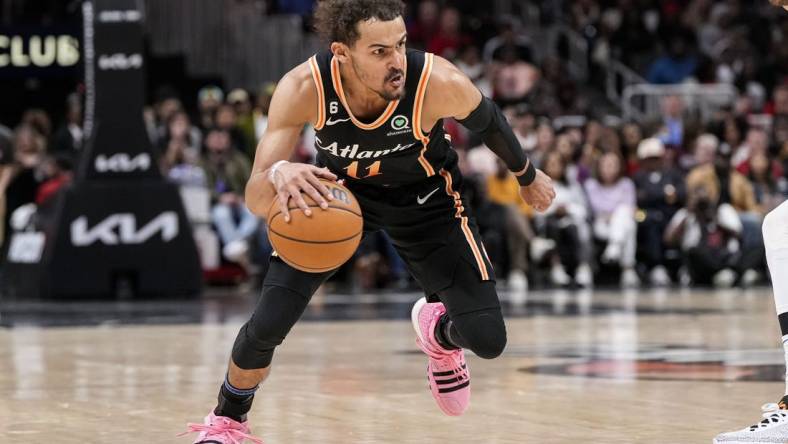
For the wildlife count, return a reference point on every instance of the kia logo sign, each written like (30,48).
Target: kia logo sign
(120,62)
(121,229)
(122,163)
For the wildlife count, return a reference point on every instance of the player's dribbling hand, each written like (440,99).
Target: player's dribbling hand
(291,179)
(540,193)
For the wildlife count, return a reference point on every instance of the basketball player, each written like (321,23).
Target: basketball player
(377,110)
(774,426)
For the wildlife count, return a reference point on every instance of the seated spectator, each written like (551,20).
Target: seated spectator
(68,138)
(180,142)
(208,100)
(660,193)
(612,200)
(503,189)
(756,142)
(770,191)
(512,78)
(227,170)
(470,63)
(565,223)
(20,181)
(422,30)
(449,38)
(726,185)
(716,176)
(507,37)
(240,101)
(674,130)
(675,66)
(709,235)
(226,119)
(57,171)
(631,136)
(261,110)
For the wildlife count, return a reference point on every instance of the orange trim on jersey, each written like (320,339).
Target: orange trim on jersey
(321,97)
(337,82)
(418,103)
(421,89)
(464,225)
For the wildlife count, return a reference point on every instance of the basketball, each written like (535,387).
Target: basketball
(323,241)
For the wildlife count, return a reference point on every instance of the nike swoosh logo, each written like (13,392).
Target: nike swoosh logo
(421,200)
(330,122)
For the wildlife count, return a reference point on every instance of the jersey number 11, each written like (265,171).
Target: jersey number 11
(352,170)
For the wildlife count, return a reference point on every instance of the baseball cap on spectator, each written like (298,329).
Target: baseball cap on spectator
(237,95)
(213,93)
(651,147)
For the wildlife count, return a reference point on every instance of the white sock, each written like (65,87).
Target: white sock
(775,239)
(785,353)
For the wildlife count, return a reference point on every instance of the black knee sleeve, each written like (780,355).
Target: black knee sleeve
(286,293)
(279,308)
(482,332)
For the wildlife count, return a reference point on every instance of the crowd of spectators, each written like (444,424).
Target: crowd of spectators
(670,200)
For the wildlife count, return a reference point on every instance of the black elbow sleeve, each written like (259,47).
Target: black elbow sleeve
(496,133)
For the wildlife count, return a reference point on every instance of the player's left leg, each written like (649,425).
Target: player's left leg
(774,427)
(467,316)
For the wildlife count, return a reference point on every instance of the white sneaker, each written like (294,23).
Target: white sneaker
(772,429)
(583,276)
(684,277)
(612,253)
(724,278)
(518,287)
(659,276)
(539,247)
(558,275)
(629,278)
(517,280)
(236,251)
(750,278)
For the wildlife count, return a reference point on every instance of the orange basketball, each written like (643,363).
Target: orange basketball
(323,241)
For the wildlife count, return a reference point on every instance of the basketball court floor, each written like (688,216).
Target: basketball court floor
(648,366)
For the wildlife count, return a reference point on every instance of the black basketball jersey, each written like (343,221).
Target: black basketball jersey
(392,150)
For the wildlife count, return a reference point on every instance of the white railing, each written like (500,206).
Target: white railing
(577,59)
(618,77)
(642,101)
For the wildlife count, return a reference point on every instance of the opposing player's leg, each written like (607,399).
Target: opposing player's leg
(286,293)
(774,426)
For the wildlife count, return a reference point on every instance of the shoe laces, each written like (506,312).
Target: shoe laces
(772,414)
(224,429)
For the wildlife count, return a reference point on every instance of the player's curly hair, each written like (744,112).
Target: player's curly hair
(337,20)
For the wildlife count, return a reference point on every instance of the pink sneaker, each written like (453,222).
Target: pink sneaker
(221,430)
(450,380)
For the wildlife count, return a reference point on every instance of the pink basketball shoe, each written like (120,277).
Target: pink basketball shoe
(447,372)
(221,430)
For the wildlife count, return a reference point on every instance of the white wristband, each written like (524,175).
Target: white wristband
(272,171)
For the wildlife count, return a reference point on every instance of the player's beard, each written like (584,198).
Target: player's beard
(384,93)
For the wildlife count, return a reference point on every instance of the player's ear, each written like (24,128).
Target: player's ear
(340,51)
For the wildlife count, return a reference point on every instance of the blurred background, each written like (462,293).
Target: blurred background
(677,108)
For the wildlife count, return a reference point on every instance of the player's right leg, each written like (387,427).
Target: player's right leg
(774,427)
(286,293)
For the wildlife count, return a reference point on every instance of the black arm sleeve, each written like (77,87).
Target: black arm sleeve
(496,133)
